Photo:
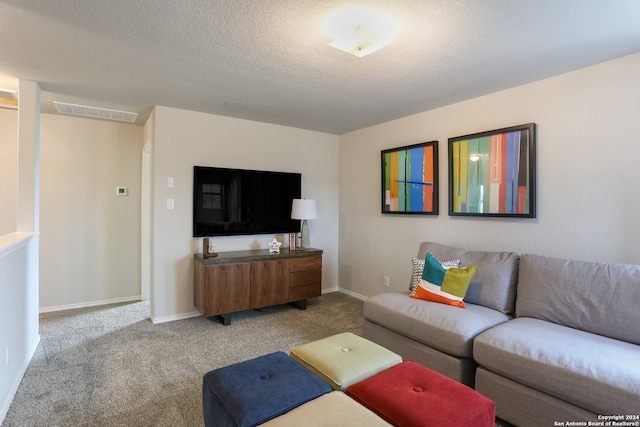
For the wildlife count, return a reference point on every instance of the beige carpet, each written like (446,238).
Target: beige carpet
(110,366)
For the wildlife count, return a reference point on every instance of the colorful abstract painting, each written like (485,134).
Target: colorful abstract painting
(410,179)
(493,173)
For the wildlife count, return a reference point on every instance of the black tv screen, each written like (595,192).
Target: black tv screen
(230,202)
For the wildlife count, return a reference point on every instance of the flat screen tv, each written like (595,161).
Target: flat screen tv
(230,202)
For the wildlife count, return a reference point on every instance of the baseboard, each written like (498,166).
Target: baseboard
(90,304)
(344,291)
(167,318)
(183,316)
(14,388)
(353,294)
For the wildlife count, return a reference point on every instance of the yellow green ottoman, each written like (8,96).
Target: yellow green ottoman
(344,359)
(329,410)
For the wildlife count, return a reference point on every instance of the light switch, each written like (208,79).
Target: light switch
(170,204)
(170,182)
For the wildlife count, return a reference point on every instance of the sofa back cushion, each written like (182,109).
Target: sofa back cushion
(594,297)
(494,283)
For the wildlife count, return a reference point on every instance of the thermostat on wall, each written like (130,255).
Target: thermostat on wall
(121,191)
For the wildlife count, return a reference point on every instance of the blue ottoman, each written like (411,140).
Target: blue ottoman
(252,392)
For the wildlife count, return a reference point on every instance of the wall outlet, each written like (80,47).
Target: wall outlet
(385,283)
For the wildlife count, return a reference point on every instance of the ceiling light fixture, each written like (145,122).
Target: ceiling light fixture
(359,30)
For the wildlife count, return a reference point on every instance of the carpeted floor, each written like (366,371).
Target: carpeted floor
(110,366)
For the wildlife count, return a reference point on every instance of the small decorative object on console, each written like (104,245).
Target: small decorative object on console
(274,246)
(207,248)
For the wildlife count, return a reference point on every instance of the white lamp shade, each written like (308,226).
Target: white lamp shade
(304,209)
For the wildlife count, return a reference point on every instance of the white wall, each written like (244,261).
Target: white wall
(8,170)
(182,139)
(90,237)
(19,250)
(18,311)
(588,174)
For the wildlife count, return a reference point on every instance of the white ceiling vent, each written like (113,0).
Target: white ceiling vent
(95,112)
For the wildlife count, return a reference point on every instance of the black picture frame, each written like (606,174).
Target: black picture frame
(493,173)
(410,179)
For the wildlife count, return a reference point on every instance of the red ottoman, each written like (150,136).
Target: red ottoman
(408,394)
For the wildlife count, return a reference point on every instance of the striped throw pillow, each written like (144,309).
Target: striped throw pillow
(417,265)
(445,286)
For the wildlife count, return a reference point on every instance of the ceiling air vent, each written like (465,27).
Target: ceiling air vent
(95,112)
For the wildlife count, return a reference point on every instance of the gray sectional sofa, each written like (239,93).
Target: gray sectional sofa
(548,340)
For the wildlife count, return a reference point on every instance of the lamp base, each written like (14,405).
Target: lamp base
(305,238)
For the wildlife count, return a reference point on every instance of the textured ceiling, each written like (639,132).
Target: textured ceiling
(272,54)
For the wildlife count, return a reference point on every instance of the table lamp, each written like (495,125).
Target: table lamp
(304,209)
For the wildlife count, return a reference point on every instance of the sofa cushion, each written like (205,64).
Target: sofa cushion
(493,285)
(439,326)
(443,285)
(417,267)
(584,369)
(594,297)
